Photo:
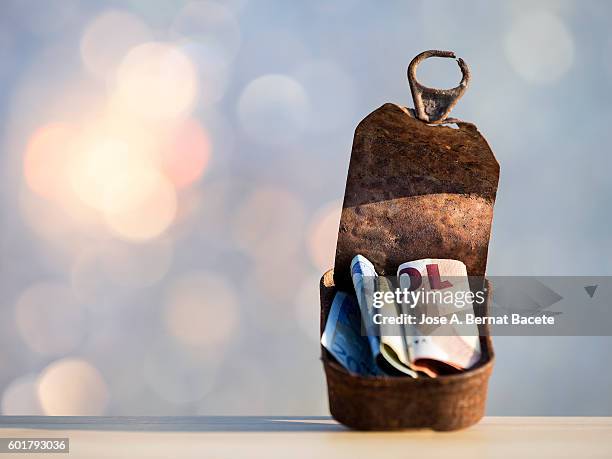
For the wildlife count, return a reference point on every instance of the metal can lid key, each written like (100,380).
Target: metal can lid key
(433,105)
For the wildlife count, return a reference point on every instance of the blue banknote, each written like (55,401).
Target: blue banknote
(342,337)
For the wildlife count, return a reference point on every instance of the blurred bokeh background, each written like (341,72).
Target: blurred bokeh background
(172,176)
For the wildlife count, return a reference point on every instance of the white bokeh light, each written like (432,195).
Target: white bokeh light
(72,387)
(156,81)
(108,38)
(331,92)
(539,47)
(142,210)
(274,109)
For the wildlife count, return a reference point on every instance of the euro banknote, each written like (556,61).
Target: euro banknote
(449,346)
(342,337)
(401,348)
(388,349)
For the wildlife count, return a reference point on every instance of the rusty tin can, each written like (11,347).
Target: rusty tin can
(417,187)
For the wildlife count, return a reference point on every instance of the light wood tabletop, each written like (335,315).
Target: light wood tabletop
(311,437)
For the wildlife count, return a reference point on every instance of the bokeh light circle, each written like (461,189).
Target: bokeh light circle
(45,158)
(142,208)
(108,38)
(331,92)
(539,47)
(98,165)
(72,387)
(274,109)
(186,154)
(156,80)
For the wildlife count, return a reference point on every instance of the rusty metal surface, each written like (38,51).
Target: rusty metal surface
(391,403)
(415,191)
(433,105)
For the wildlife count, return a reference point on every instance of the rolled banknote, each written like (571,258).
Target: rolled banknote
(393,345)
(388,349)
(442,348)
(342,337)
(364,280)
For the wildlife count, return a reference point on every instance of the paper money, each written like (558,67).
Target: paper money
(364,281)
(393,345)
(450,346)
(389,350)
(342,337)
(403,348)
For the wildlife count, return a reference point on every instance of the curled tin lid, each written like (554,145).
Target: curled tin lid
(434,105)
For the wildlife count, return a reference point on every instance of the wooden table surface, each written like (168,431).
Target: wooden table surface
(311,437)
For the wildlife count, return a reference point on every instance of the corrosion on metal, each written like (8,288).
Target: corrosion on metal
(416,190)
(434,105)
(391,403)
